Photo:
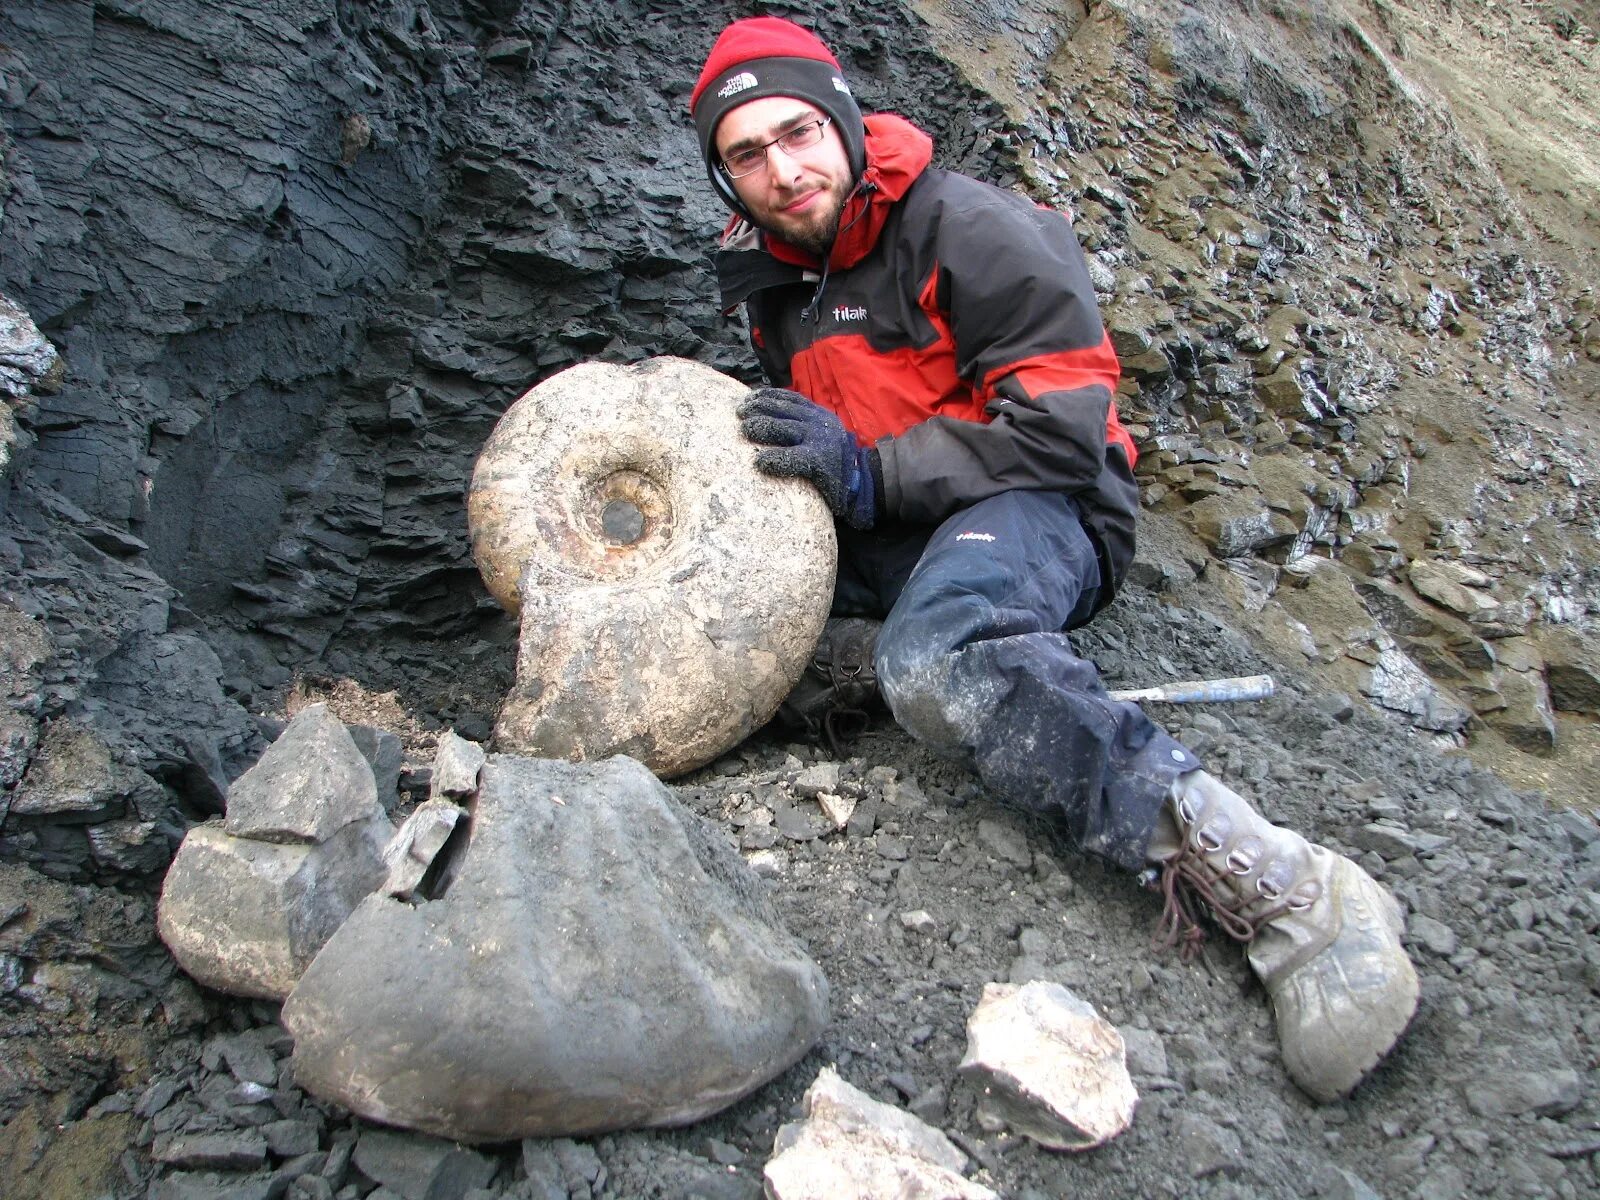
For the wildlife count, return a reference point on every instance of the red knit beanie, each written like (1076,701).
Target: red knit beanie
(768,56)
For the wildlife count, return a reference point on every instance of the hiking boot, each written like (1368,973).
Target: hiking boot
(1320,932)
(835,696)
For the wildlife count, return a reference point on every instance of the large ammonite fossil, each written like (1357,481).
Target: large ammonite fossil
(670,594)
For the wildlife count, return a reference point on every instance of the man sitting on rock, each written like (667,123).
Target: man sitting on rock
(943,377)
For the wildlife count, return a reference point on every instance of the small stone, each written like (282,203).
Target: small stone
(1388,840)
(70,777)
(385,754)
(456,764)
(852,1145)
(919,921)
(310,784)
(509,52)
(248,1059)
(416,1167)
(156,1097)
(1436,581)
(309,1187)
(410,854)
(1207,1147)
(816,779)
(1435,936)
(1006,842)
(1147,1053)
(905,795)
(864,820)
(797,824)
(769,864)
(1509,1093)
(287,1139)
(237,1151)
(1050,1065)
(723,1153)
(837,809)
(1336,1183)
(895,849)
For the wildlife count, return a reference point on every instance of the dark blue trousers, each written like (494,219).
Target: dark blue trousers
(974,658)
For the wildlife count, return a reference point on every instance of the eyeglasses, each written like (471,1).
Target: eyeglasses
(801,137)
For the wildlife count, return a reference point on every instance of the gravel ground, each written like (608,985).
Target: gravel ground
(1493,1092)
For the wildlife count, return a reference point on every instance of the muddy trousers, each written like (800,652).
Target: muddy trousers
(974,659)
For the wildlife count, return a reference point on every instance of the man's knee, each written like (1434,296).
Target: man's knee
(930,697)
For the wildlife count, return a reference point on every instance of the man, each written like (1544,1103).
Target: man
(944,379)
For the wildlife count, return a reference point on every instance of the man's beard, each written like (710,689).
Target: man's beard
(816,240)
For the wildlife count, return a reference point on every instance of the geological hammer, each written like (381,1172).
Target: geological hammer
(1204,691)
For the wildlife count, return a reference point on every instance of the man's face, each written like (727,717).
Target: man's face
(796,196)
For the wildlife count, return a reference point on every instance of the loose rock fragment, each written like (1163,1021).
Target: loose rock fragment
(247,917)
(309,784)
(71,778)
(1207,1147)
(416,1168)
(417,844)
(851,1145)
(455,767)
(249,900)
(1049,1065)
(626,969)
(837,809)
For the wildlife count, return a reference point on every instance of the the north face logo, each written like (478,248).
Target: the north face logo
(840,85)
(742,82)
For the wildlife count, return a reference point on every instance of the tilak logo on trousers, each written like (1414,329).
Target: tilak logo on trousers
(742,82)
(969,536)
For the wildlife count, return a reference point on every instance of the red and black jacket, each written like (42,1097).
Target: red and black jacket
(954,325)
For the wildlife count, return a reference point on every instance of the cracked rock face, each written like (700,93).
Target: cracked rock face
(670,594)
(599,961)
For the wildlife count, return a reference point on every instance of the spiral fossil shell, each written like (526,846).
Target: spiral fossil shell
(669,593)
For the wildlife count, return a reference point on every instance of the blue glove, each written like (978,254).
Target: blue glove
(810,443)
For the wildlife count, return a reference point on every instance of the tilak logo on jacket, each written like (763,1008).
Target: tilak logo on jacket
(843,312)
(741,82)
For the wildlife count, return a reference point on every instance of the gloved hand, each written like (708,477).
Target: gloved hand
(812,444)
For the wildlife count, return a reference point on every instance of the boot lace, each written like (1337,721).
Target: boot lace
(1190,886)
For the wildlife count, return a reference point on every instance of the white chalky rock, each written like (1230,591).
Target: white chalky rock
(670,594)
(852,1147)
(838,809)
(1049,1065)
